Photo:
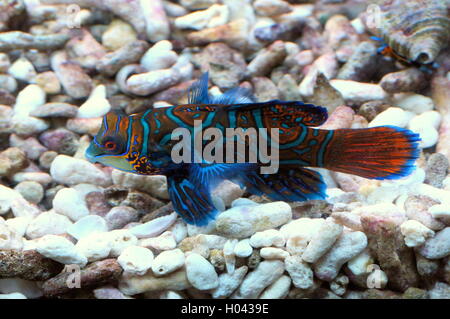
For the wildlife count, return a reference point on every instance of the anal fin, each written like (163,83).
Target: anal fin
(291,184)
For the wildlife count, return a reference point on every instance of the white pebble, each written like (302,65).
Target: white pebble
(333,194)
(438,246)
(228,254)
(28,125)
(339,285)
(326,64)
(194,230)
(159,56)
(359,92)
(428,135)
(23,70)
(121,239)
(385,194)
(243,249)
(392,116)
(48,223)
(71,171)
(83,189)
(157,24)
(109,292)
(440,211)
(179,230)
(267,238)
(214,16)
(228,283)
(416,177)
(184,67)
(7,196)
(30,98)
(322,240)
(118,34)
(359,264)
(136,260)
(413,102)
(200,273)
(358,25)
(96,105)
(68,202)
(244,221)
(61,250)
(264,275)
(29,289)
(415,233)
(218,203)
(437,194)
(88,225)
(168,261)
(165,241)
(144,84)
(273,253)
(95,246)
(426,119)
(278,290)
(243,202)
(155,185)
(440,290)
(5,63)
(299,271)
(8,239)
(346,247)
(19,225)
(228,192)
(302,226)
(299,232)
(271,7)
(38,177)
(379,209)
(154,227)
(22,208)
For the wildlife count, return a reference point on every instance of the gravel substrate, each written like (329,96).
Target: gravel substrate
(113,234)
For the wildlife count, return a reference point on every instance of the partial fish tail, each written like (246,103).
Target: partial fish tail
(385,152)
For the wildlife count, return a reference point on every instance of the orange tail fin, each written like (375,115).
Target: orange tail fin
(385,152)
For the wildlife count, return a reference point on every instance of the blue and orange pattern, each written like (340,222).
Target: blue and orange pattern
(142,144)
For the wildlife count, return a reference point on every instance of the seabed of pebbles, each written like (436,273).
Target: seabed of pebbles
(60,73)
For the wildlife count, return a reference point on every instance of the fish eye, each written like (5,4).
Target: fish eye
(110,145)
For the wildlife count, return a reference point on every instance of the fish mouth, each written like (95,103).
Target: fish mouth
(90,158)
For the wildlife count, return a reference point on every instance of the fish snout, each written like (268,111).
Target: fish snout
(88,154)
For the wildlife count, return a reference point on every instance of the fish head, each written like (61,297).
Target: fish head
(110,146)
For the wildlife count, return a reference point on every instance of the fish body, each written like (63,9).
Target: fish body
(143,144)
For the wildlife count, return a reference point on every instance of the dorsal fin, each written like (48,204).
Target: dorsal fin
(297,111)
(234,96)
(198,91)
(198,94)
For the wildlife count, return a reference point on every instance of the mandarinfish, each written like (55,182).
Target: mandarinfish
(143,143)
